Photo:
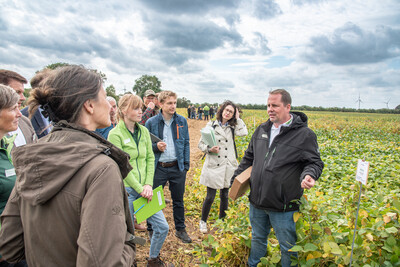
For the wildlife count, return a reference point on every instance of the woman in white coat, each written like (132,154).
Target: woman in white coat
(221,161)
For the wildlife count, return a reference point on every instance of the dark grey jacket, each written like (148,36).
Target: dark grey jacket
(279,169)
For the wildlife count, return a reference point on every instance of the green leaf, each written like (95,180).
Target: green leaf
(396,204)
(391,230)
(296,248)
(264,260)
(391,241)
(335,248)
(310,247)
(388,249)
(276,258)
(394,259)
(336,251)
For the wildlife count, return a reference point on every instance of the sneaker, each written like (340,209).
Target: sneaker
(158,262)
(182,235)
(203,226)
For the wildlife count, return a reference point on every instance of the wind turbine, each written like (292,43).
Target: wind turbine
(387,103)
(359,100)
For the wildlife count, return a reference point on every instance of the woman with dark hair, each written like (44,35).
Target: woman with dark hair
(221,160)
(69,206)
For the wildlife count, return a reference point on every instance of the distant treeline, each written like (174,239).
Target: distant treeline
(184,103)
(333,109)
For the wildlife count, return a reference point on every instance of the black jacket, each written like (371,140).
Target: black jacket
(279,169)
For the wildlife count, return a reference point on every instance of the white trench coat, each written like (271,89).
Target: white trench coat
(218,169)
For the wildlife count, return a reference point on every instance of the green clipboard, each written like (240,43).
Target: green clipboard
(144,210)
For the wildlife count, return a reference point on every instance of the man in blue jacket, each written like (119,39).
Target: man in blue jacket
(172,156)
(285,158)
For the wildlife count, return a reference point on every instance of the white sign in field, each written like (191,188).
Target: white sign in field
(362,171)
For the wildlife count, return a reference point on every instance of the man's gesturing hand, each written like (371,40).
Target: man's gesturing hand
(307,182)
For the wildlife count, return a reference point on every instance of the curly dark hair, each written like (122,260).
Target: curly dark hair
(233,120)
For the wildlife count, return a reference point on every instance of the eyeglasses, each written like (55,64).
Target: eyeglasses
(229,111)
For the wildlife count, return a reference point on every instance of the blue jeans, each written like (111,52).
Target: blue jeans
(158,221)
(285,231)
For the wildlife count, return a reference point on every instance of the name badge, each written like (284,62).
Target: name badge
(10,172)
(264,136)
(126,141)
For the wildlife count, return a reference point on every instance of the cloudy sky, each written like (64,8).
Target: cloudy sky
(325,52)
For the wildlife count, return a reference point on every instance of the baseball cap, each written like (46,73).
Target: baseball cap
(149,92)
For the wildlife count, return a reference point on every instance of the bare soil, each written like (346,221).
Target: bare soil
(174,251)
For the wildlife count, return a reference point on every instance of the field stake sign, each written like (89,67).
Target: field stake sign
(362,171)
(362,177)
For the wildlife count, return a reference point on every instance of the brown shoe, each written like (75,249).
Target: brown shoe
(156,262)
(140,227)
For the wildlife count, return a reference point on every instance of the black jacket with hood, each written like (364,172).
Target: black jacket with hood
(278,170)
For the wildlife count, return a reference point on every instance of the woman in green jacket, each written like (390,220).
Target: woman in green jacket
(134,139)
(9,117)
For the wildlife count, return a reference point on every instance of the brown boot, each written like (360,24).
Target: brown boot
(140,227)
(156,262)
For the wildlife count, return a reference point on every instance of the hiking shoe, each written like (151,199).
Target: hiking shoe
(182,235)
(203,226)
(156,262)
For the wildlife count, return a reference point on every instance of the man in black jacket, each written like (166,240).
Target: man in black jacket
(285,158)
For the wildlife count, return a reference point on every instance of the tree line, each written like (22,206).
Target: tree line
(146,82)
(330,109)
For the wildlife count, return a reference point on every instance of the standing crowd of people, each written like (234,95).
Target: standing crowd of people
(197,113)
(73,161)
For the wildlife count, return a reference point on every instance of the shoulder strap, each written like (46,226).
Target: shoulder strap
(234,143)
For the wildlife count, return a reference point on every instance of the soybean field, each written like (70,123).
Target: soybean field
(326,220)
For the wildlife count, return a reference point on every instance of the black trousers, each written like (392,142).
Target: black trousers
(210,199)
(176,180)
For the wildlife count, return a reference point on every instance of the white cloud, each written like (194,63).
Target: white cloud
(324,52)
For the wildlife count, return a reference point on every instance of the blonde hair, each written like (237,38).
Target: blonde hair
(165,94)
(126,102)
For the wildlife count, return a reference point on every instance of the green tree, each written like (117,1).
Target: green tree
(27,92)
(398,107)
(53,66)
(110,90)
(182,102)
(146,82)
